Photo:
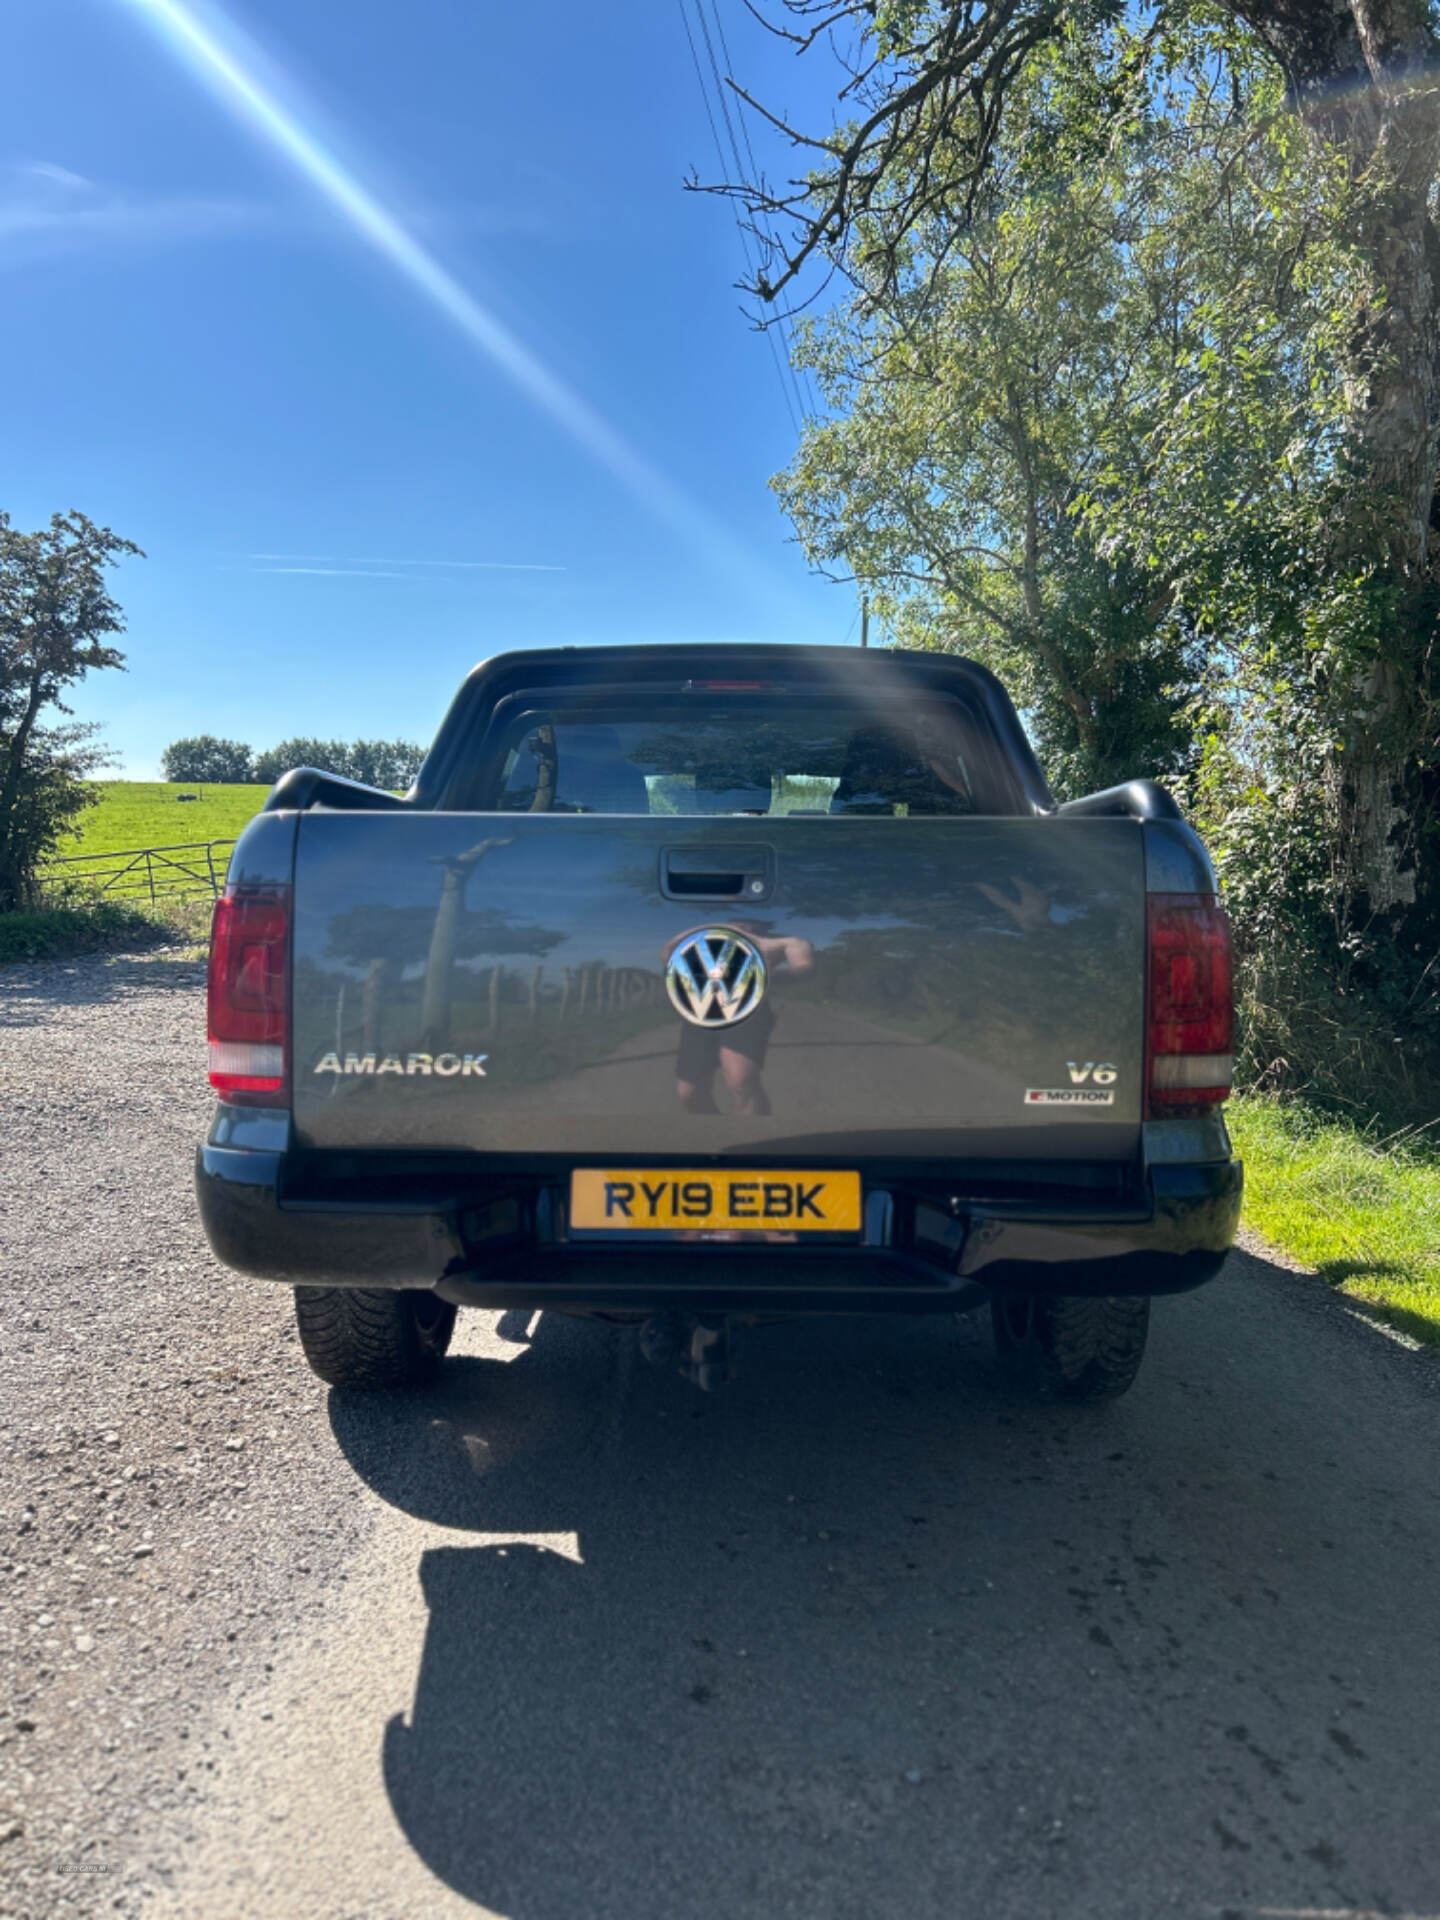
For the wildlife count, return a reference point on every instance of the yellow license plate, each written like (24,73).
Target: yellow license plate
(669,1199)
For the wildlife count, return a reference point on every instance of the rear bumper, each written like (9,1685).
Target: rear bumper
(1175,1239)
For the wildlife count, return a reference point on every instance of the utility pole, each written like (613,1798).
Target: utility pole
(864,619)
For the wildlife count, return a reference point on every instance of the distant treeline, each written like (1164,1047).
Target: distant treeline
(390,764)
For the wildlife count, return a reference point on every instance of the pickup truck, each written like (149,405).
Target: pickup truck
(697,987)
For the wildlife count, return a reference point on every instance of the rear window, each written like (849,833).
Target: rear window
(782,755)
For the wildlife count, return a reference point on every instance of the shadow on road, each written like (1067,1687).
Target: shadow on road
(31,991)
(1335,1273)
(864,1636)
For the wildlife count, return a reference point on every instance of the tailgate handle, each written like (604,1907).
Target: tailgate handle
(716,873)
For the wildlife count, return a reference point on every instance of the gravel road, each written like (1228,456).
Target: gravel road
(862,1637)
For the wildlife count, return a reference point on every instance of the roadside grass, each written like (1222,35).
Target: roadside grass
(1363,1210)
(96,926)
(150,813)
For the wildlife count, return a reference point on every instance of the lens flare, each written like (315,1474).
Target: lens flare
(253,88)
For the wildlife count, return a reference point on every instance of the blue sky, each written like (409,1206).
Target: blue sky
(397,347)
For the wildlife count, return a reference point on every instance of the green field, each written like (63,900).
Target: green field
(150,813)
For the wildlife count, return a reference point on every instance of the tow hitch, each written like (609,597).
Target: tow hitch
(702,1349)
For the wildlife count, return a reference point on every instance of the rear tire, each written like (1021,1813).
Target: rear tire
(368,1337)
(1073,1347)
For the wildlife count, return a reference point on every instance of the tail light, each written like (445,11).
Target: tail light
(249,995)
(1191,1010)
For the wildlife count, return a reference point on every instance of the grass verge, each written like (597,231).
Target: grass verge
(1362,1210)
(53,932)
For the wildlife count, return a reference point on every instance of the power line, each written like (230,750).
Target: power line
(742,119)
(723,92)
(725,167)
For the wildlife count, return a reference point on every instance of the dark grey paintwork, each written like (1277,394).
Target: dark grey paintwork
(959,962)
(264,855)
(1175,859)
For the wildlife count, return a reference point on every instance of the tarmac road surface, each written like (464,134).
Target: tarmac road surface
(865,1636)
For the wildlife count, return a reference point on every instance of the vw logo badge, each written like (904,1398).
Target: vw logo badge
(715,977)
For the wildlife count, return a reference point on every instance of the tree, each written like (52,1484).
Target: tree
(1011,452)
(931,85)
(55,615)
(387,764)
(205,760)
(330,756)
(55,790)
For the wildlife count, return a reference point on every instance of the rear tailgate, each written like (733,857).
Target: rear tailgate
(496,983)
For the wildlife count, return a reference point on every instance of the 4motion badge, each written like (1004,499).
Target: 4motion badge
(1091,1085)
